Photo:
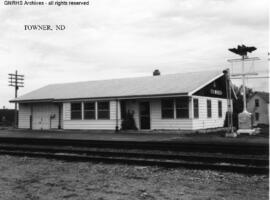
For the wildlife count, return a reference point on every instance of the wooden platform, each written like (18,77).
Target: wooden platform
(153,136)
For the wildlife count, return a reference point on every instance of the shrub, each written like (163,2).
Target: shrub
(128,122)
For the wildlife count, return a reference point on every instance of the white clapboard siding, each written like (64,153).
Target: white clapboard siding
(186,124)
(42,113)
(108,124)
(24,115)
(158,123)
(66,112)
(215,121)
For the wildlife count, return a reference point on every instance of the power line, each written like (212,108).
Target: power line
(251,77)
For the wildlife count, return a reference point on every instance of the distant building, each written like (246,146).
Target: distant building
(195,100)
(258,105)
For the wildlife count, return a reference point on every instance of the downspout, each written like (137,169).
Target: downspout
(50,121)
(31,116)
(59,117)
(116,127)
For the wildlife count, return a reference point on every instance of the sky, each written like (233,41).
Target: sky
(128,38)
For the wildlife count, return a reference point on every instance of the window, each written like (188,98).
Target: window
(89,110)
(257,116)
(257,103)
(209,108)
(76,111)
(196,108)
(219,108)
(182,110)
(167,108)
(103,110)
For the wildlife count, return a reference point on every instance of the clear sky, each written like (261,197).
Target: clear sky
(126,38)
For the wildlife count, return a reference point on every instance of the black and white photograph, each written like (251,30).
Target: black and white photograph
(134,100)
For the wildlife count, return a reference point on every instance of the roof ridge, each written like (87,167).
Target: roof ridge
(138,77)
(264,95)
(262,92)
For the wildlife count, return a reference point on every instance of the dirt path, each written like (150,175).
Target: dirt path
(43,179)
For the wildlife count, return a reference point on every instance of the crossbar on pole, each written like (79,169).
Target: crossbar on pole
(244,74)
(245,59)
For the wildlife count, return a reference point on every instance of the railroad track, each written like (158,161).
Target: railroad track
(236,148)
(217,157)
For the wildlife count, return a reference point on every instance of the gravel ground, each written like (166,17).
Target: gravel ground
(43,179)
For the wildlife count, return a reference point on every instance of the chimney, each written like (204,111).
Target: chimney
(156,72)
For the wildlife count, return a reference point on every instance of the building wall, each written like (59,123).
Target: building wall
(24,116)
(190,123)
(215,121)
(41,118)
(158,123)
(42,113)
(108,124)
(263,110)
(7,117)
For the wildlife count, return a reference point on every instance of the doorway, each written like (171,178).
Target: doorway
(144,115)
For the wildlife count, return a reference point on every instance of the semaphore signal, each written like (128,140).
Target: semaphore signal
(242,51)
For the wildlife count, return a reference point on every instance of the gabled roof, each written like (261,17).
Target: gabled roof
(182,83)
(263,95)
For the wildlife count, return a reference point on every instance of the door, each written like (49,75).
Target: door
(42,116)
(144,115)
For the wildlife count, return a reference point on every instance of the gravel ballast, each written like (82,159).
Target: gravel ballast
(46,179)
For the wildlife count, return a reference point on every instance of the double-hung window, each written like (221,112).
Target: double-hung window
(167,109)
(196,108)
(76,110)
(89,110)
(103,110)
(219,108)
(257,104)
(209,108)
(181,106)
(257,116)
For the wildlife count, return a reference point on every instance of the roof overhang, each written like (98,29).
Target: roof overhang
(154,96)
(31,100)
(208,82)
(205,84)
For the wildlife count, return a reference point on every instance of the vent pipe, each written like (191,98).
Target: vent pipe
(156,72)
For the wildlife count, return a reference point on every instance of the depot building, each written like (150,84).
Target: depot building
(188,101)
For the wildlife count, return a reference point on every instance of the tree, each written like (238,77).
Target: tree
(238,103)
(128,122)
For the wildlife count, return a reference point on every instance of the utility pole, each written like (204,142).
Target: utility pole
(244,118)
(230,132)
(16,81)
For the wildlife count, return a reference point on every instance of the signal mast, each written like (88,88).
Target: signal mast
(244,118)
